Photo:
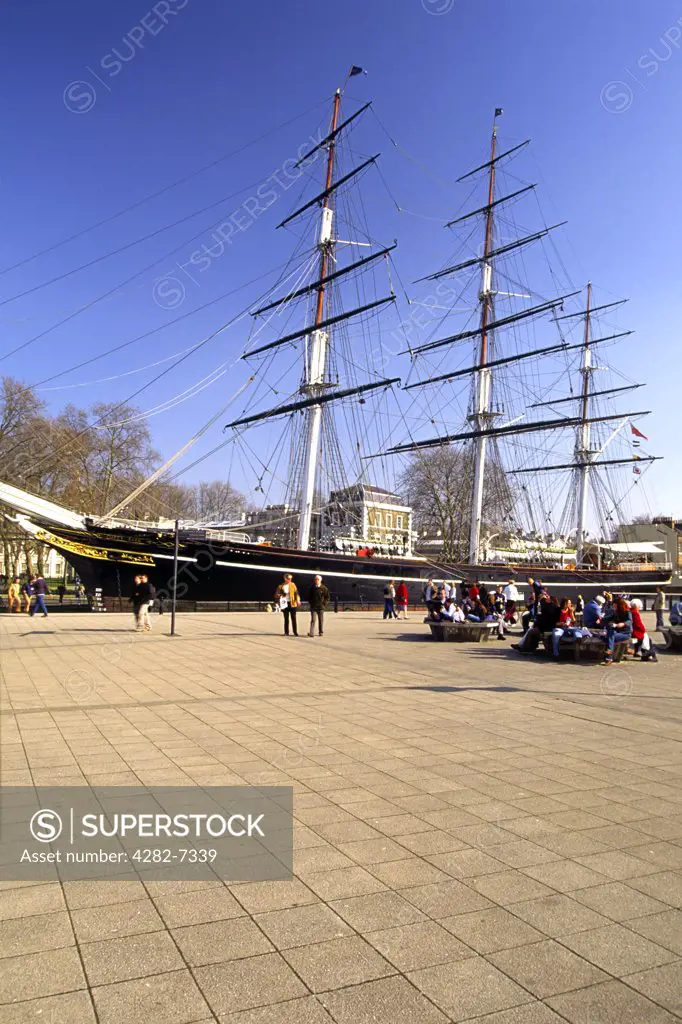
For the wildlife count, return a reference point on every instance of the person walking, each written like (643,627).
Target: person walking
(148,597)
(318,599)
(288,601)
(136,601)
(402,598)
(659,607)
(39,589)
(512,597)
(61,590)
(13,595)
(78,591)
(26,595)
(142,597)
(389,600)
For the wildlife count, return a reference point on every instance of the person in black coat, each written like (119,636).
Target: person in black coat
(318,599)
(142,598)
(547,618)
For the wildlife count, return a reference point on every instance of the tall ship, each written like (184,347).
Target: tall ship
(491,458)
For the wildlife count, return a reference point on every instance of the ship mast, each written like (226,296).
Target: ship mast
(582,448)
(586,459)
(482,417)
(316,360)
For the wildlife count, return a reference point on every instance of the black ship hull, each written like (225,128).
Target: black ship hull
(109,559)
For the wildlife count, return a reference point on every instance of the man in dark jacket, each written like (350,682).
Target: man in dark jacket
(39,588)
(318,599)
(26,595)
(546,620)
(142,597)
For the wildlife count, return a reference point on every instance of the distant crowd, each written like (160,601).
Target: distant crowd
(28,594)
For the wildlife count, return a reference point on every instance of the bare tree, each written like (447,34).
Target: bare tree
(438,484)
(90,460)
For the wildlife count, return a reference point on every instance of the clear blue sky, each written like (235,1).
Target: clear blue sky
(595,85)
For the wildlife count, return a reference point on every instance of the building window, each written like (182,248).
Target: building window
(399,522)
(389,520)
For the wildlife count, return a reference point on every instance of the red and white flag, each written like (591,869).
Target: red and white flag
(637,433)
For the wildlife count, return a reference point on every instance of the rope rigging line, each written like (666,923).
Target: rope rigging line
(130,245)
(205,341)
(148,334)
(164,190)
(181,451)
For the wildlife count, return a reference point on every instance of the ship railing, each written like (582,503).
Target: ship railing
(227,536)
(149,526)
(641,566)
(133,524)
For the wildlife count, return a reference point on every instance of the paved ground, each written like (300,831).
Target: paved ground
(479,836)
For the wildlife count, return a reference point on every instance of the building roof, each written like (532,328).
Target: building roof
(368,492)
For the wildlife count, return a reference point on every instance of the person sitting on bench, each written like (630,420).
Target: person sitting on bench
(548,618)
(639,634)
(451,612)
(593,614)
(566,620)
(618,624)
(676,613)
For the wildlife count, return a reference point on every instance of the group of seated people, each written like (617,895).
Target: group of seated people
(611,619)
(475,604)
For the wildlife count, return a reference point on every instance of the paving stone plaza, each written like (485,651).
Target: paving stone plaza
(478,836)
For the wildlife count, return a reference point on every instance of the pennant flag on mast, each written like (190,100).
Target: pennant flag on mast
(355,70)
(499,111)
(637,433)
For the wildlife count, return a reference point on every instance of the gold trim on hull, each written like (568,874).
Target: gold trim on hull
(87,551)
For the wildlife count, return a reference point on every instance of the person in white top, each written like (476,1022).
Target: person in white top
(451,612)
(511,596)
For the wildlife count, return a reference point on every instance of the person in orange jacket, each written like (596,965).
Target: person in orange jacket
(288,601)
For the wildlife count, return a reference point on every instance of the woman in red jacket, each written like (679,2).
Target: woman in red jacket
(401,599)
(639,633)
(566,620)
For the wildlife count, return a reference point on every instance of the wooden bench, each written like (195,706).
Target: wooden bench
(586,647)
(673,638)
(463,632)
